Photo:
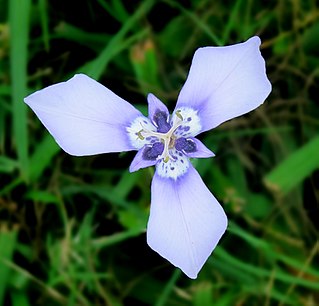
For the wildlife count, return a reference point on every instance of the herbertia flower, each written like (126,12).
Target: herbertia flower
(85,118)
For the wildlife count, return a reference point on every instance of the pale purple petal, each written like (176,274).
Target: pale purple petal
(225,82)
(186,221)
(84,117)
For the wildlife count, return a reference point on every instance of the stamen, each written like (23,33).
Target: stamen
(178,114)
(139,135)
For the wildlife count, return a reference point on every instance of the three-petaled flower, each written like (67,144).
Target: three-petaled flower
(85,118)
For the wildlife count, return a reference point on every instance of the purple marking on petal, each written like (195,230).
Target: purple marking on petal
(160,119)
(155,105)
(139,162)
(201,150)
(152,152)
(185,145)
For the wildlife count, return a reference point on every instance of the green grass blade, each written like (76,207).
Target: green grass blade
(42,157)
(43,10)
(162,300)
(19,298)
(19,27)
(263,272)
(231,23)
(104,242)
(198,22)
(7,246)
(294,169)
(145,64)
(7,165)
(72,33)
(96,67)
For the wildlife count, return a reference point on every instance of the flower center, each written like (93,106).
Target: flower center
(168,138)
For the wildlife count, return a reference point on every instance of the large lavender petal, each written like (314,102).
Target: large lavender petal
(225,82)
(186,221)
(84,117)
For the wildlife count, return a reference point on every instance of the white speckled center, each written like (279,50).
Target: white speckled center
(171,163)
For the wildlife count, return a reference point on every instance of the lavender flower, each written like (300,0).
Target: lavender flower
(85,118)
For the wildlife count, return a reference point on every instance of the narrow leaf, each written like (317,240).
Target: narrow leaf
(294,169)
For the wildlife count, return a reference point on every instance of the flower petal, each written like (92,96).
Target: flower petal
(158,113)
(147,156)
(225,82)
(186,221)
(201,150)
(155,105)
(84,117)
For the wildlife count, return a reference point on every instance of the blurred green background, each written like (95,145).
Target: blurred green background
(72,230)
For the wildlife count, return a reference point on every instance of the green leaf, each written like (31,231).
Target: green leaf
(43,11)
(203,294)
(118,43)
(19,29)
(19,298)
(42,157)
(42,196)
(116,238)
(7,165)
(310,41)
(144,61)
(294,169)
(162,300)
(72,33)
(8,239)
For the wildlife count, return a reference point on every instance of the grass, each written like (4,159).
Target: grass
(72,230)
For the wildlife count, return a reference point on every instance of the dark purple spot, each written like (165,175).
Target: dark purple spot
(152,152)
(172,168)
(145,121)
(186,128)
(182,161)
(189,119)
(185,145)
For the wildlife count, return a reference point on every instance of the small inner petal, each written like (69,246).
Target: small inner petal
(160,119)
(185,145)
(152,152)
